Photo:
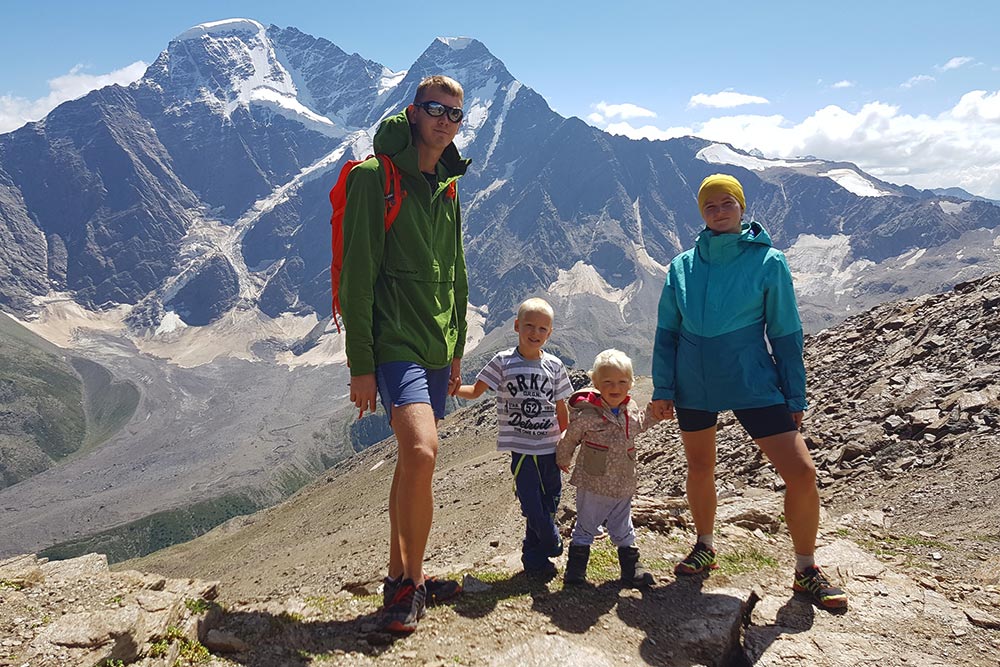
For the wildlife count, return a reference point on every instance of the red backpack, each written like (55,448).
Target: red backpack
(394,195)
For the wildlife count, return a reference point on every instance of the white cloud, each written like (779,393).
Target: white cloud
(605,112)
(979,105)
(725,100)
(16,111)
(955,63)
(959,146)
(916,80)
(844,84)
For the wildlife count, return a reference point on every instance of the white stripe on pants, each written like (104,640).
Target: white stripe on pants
(593,509)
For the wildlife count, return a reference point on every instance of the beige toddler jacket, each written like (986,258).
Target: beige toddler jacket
(606,464)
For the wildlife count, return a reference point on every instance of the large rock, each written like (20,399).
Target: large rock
(891,620)
(77,612)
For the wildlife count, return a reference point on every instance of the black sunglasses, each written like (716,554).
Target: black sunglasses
(436,110)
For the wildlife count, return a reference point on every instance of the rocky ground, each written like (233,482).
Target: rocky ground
(904,429)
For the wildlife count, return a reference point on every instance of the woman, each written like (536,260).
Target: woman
(720,300)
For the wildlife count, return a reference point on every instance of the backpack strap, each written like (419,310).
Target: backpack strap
(394,192)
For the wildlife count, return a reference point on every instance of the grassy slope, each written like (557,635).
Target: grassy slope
(42,417)
(52,406)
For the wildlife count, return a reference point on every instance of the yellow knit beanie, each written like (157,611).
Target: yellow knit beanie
(721,183)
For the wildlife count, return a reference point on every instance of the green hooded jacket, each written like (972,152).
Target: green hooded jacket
(404,293)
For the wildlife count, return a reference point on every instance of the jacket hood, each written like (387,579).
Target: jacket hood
(589,398)
(717,248)
(395,139)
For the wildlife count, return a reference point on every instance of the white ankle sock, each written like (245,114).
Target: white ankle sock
(707,540)
(802,562)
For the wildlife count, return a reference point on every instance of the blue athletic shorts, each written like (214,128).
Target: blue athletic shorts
(758,422)
(404,382)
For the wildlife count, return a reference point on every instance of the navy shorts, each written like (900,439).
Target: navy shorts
(404,382)
(758,422)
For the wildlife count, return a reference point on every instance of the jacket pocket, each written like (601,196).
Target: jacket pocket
(594,459)
(630,460)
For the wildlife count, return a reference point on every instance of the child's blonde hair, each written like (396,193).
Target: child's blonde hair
(611,359)
(535,305)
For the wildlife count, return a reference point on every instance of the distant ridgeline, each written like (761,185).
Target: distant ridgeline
(236,132)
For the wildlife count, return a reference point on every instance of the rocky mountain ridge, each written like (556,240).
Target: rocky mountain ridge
(201,189)
(903,428)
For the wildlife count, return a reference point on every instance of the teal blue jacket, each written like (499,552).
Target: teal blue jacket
(720,300)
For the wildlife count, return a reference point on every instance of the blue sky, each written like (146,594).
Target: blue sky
(910,91)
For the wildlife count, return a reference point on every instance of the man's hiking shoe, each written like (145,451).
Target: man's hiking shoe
(699,560)
(814,583)
(438,590)
(405,609)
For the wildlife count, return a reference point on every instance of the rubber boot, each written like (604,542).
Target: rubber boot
(576,566)
(634,573)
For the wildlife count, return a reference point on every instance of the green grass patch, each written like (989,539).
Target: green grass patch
(659,564)
(158,649)
(42,397)
(156,531)
(108,662)
(895,545)
(192,653)
(374,600)
(603,564)
(503,586)
(321,604)
(491,576)
(197,605)
(189,653)
(915,541)
(741,562)
(54,405)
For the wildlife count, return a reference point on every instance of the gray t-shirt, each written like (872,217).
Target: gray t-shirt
(527,391)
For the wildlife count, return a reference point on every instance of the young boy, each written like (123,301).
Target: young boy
(605,423)
(532,386)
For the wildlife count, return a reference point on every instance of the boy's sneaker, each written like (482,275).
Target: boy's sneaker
(813,582)
(405,609)
(557,550)
(699,560)
(544,571)
(438,590)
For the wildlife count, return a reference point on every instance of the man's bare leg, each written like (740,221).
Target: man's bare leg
(411,501)
(395,556)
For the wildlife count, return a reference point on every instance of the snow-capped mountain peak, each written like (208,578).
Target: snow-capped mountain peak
(222,28)
(456,43)
(228,64)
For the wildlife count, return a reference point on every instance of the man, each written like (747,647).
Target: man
(403,295)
